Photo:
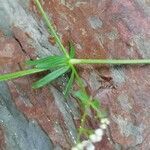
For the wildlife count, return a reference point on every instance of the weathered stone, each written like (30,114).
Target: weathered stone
(2,139)
(100,29)
(20,133)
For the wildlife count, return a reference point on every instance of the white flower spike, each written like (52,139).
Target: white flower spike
(93,138)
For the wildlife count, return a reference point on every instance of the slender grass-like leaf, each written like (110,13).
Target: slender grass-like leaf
(49,59)
(69,85)
(59,62)
(49,65)
(82,96)
(50,77)
(18,74)
(96,103)
(72,50)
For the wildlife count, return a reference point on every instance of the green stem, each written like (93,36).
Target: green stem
(79,81)
(110,61)
(99,114)
(81,126)
(52,30)
(18,74)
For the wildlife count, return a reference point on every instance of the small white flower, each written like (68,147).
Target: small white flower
(86,142)
(105,121)
(80,146)
(93,138)
(90,147)
(103,126)
(99,138)
(99,132)
(74,148)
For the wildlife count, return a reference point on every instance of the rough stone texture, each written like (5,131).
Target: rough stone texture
(20,133)
(2,140)
(100,29)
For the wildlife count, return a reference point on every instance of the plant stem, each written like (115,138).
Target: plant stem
(79,81)
(109,61)
(52,30)
(81,126)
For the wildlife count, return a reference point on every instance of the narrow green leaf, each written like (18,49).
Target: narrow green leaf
(49,66)
(96,103)
(44,60)
(50,77)
(69,85)
(18,74)
(54,63)
(37,61)
(82,96)
(72,50)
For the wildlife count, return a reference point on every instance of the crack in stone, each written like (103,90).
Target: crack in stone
(20,44)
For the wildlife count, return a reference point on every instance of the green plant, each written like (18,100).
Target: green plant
(61,65)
